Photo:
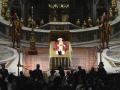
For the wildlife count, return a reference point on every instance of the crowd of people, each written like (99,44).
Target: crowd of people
(60,80)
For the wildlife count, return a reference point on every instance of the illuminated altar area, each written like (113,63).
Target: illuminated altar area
(80,17)
(60,60)
(60,50)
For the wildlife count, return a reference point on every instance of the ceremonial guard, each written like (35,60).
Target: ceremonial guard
(16,26)
(105,34)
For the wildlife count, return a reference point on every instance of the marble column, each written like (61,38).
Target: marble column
(22,8)
(94,7)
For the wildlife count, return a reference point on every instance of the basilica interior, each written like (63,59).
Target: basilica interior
(59,44)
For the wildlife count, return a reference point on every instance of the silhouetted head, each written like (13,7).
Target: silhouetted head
(21,72)
(38,66)
(79,68)
(92,69)
(3,66)
(60,68)
(68,73)
(1,77)
(52,71)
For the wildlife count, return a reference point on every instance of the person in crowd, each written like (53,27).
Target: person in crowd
(68,81)
(4,71)
(80,86)
(78,74)
(21,81)
(102,73)
(92,76)
(30,81)
(22,75)
(39,81)
(37,73)
(51,78)
(3,84)
(72,80)
(11,82)
(61,71)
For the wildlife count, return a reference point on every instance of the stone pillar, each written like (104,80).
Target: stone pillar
(107,5)
(22,8)
(94,11)
(26,13)
(94,7)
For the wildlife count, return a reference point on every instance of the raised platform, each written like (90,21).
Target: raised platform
(60,60)
(7,54)
(32,52)
(112,55)
(86,57)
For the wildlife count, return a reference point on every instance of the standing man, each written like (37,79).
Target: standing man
(105,28)
(4,71)
(37,73)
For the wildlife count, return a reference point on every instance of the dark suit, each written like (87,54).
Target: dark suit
(37,73)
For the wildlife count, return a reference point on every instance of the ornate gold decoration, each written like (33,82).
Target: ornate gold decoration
(114,7)
(58,5)
(116,12)
(4,10)
(78,22)
(54,19)
(65,18)
(89,22)
(110,13)
(84,24)
(98,21)
(41,22)
(114,4)
(32,50)
(29,21)
(7,15)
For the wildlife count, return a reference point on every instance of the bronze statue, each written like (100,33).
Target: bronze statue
(78,22)
(84,24)
(89,22)
(29,21)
